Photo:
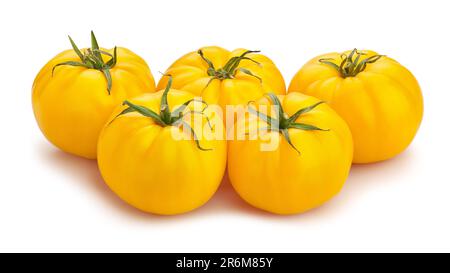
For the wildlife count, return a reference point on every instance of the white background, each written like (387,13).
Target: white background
(52,201)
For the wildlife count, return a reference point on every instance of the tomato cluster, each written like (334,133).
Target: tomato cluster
(165,149)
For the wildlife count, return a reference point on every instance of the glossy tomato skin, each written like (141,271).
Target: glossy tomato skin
(153,171)
(72,106)
(283,181)
(382,105)
(190,74)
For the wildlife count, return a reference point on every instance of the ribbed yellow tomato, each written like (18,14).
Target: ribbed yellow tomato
(76,91)
(225,78)
(296,165)
(379,99)
(145,163)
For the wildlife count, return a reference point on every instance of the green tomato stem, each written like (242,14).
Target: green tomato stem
(283,122)
(349,66)
(92,59)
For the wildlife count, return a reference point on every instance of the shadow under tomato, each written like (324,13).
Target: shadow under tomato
(375,174)
(226,201)
(364,178)
(85,171)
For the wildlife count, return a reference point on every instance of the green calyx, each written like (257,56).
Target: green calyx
(229,70)
(92,58)
(282,122)
(351,64)
(165,117)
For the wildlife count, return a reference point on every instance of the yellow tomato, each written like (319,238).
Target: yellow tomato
(76,91)
(294,164)
(143,160)
(379,99)
(225,78)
